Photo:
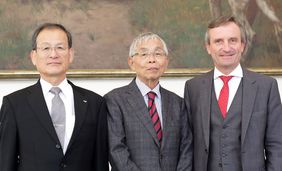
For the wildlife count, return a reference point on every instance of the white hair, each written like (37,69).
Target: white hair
(143,38)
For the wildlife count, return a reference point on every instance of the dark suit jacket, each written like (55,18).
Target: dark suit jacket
(133,142)
(28,140)
(261,129)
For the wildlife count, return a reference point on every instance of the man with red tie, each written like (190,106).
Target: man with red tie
(235,114)
(147,124)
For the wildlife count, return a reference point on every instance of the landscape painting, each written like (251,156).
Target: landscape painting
(103,30)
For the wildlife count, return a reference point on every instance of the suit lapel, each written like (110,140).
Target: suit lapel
(205,99)
(80,106)
(38,105)
(249,94)
(136,101)
(166,111)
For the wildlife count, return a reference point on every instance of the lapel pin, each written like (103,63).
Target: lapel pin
(85,101)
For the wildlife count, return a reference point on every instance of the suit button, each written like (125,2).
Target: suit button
(58,146)
(160,158)
(219,164)
(223,136)
(63,165)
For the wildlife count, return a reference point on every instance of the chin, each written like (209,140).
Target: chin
(153,78)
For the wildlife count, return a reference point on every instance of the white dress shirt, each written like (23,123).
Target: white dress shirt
(66,95)
(233,84)
(144,89)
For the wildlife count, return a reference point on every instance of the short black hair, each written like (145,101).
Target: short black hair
(50,26)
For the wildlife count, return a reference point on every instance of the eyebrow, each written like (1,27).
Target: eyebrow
(47,43)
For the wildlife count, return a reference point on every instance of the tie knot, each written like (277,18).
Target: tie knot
(151,95)
(225,79)
(55,90)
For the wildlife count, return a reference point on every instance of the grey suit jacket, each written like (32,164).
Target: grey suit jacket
(261,129)
(132,139)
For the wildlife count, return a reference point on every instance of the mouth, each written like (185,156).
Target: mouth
(227,55)
(53,63)
(153,69)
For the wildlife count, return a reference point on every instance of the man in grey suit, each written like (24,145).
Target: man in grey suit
(235,114)
(147,124)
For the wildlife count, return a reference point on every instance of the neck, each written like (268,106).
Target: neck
(152,84)
(226,70)
(54,81)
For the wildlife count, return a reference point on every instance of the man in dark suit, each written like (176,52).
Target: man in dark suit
(147,124)
(44,131)
(235,114)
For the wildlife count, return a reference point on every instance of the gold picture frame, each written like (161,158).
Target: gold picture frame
(125,73)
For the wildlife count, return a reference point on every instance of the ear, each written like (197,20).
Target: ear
(71,51)
(166,62)
(208,48)
(130,62)
(243,47)
(32,56)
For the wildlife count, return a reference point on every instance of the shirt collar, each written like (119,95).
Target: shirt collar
(145,89)
(237,72)
(46,86)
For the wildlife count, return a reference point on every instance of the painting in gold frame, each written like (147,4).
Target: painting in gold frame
(103,30)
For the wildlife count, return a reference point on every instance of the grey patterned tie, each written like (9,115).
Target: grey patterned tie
(58,114)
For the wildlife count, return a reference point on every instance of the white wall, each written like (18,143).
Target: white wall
(102,86)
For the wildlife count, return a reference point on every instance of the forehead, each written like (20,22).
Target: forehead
(53,35)
(227,30)
(150,44)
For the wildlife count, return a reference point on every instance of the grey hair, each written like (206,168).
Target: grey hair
(143,38)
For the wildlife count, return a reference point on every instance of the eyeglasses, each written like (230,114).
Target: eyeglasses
(156,54)
(47,50)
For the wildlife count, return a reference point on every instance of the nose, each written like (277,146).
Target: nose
(53,53)
(226,46)
(151,58)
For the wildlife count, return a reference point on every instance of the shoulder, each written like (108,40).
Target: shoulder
(23,93)
(195,81)
(117,92)
(258,78)
(85,92)
(170,94)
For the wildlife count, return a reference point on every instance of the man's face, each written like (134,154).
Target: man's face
(52,56)
(225,47)
(150,61)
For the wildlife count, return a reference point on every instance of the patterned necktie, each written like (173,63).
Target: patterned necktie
(58,114)
(154,115)
(224,94)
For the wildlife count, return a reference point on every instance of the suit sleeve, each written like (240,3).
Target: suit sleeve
(185,159)
(273,135)
(8,138)
(101,156)
(119,154)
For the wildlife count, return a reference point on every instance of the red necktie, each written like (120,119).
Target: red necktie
(224,94)
(154,115)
